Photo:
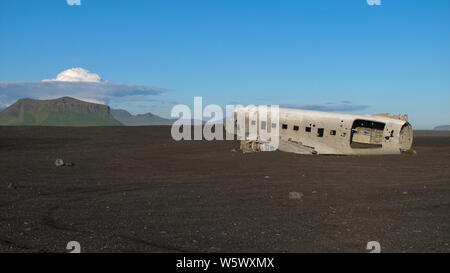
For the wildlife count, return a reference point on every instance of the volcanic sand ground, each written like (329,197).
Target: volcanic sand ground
(134,189)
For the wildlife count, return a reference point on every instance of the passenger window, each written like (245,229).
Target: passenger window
(333,132)
(284,126)
(320,132)
(295,128)
(308,129)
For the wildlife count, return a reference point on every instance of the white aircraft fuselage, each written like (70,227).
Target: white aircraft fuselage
(315,132)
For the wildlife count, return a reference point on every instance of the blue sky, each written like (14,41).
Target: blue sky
(339,55)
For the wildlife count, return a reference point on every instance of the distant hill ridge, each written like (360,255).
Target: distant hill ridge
(128,119)
(442,127)
(65,111)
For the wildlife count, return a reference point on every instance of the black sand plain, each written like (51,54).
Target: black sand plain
(134,189)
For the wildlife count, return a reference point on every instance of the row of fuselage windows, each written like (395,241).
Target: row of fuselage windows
(320,131)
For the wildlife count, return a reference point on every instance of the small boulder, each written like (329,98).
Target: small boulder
(293,195)
(59,162)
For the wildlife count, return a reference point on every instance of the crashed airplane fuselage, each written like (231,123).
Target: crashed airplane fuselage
(314,132)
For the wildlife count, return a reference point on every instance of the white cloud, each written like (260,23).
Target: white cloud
(77,74)
(77,83)
(73,2)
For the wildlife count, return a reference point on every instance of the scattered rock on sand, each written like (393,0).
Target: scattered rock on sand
(59,162)
(293,195)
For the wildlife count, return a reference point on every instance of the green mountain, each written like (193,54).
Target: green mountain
(139,120)
(64,111)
